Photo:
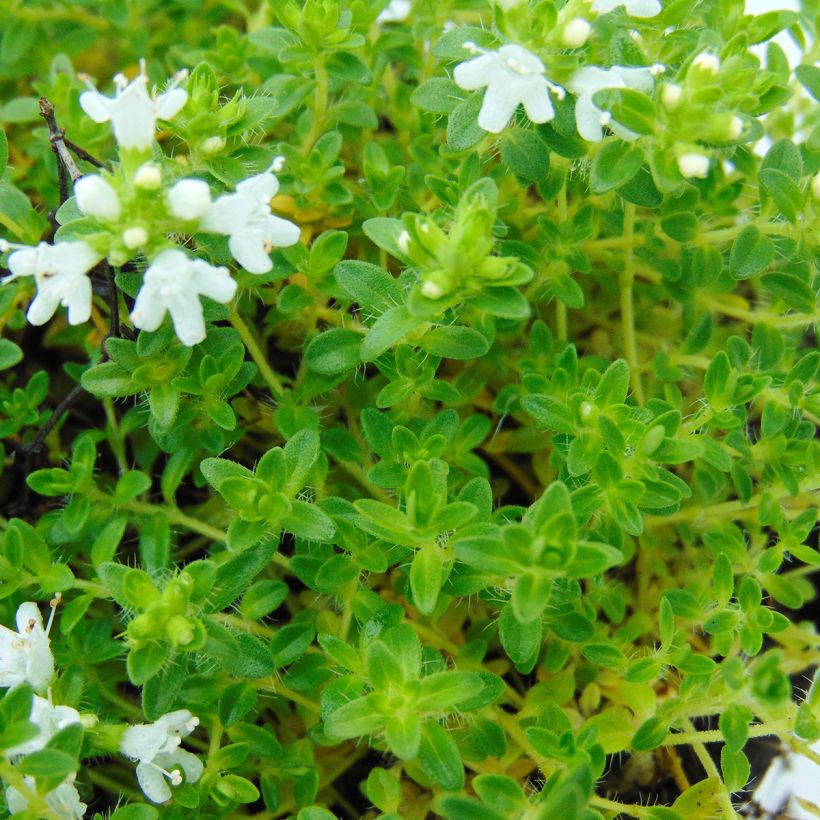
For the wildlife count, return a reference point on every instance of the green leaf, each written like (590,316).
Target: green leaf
(391,327)
(334,351)
(752,252)
(809,77)
(521,642)
(368,285)
(402,734)
(108,380)
(308,521)
(454,342)
(440,758)
(426,577)
(784,191)
(615,165)
(463,130)
(650,735)
(439,95)
(526,154)
(630,108)
(48,763)
(4,152)
(10,353)
(146,661)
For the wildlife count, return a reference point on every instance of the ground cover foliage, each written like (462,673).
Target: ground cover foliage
(405,451)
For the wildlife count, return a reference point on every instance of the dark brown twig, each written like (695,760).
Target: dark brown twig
(56,136)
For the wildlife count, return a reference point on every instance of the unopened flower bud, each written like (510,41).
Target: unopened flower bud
(212,145)
(134,237)
(189,199)
(575,33)
(707,63)
(735,128)
(693,164)
(96,197)
(432,290)
(404,242)
(671,95)
(148,176)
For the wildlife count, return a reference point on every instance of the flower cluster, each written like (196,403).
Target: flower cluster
(26,658)
(137,215)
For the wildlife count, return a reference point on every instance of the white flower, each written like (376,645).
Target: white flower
(586,81)
(132,111)
(49,719)
(246,218)
(707,63)
(96,197)
(148,176)
(134,237)
(155,747)
(396,12)
(693,164)
(189,199)
(634,8)
(174,283)
(25,655)
(64,800)
(575,33)
(512,76)
(60,273)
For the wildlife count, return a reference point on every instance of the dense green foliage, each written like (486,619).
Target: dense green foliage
(499,484)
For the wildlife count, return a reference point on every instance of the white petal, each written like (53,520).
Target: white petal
(133,117)
(221,217)
(170,103)
(476,73)
(643,8)
(282,233)
(43,307)
(97,198)
(152,782)
(589,79)
(189,199)
(262,187)
(73,258)
(65,800)
(215,283)
(640,79)
(537,102)
(588,119)
(29,619)
(97,106)
(78,301)
(186,314)
(622,132)
(498,107)
(148,313)
(24,262)
(249,251)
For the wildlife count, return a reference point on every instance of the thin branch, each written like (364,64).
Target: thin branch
(56,136)
(84,155)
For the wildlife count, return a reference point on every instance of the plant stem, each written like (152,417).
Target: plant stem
(627,308)
(272,380)
(320,99)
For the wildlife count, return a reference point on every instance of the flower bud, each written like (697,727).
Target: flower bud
(148,176)
(707,63)
(575,33)
(135,237)
(432,290)
(735,128)
(693,164)
(212,145)
(189,199)
(671,95)
(96,197)
(180,630)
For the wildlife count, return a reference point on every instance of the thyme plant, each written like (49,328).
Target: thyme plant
(408,409)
